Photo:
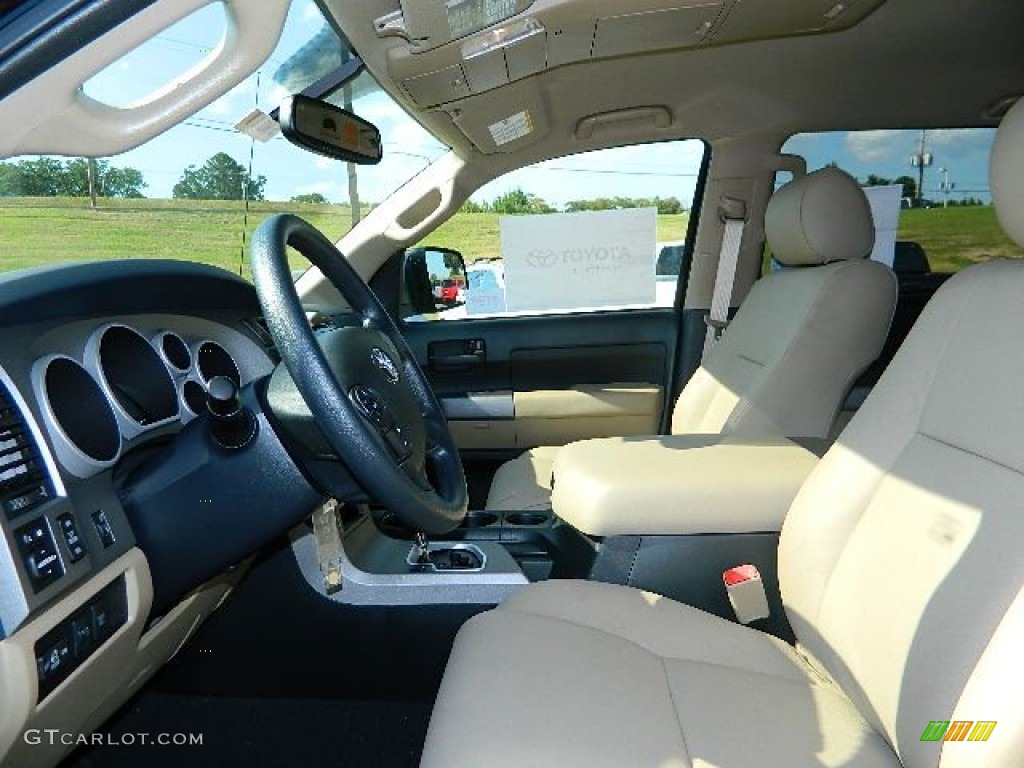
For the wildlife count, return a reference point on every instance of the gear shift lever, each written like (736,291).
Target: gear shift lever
(422,549)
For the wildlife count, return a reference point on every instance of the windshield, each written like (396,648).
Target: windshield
(195,191)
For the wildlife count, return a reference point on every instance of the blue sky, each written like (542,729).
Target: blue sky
(289,170)
(667,170)
(963,152)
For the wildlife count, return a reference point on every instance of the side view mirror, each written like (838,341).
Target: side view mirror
(328,130)
(433,281)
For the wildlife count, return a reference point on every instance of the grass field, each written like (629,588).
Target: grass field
(955,238)
(38,231)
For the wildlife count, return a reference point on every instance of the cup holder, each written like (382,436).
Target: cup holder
(478,519)
(526,518)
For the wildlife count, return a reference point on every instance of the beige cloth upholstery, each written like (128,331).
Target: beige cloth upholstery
(569,673)
(901,571)
(525,482)
(802,226)
(678,484)
(796,345)
(899,582)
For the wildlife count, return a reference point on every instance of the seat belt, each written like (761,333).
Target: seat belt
(733,213)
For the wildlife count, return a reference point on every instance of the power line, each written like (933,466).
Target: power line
(610,172)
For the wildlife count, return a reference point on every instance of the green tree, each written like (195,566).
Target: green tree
(518,201)
(877,181)
(909,186)
(311,197)
(41,177)
(47,177)
(668,206)
(219,178)
(110,181)
(120,182)
(74,181)
(9,180)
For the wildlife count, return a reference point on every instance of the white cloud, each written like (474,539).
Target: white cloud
(960,142)
(277,94)
(873,146)
(311,13)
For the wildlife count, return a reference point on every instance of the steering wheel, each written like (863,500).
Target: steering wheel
(362,385)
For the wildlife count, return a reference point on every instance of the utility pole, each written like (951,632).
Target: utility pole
(91,166)
(921,160)
(353,178)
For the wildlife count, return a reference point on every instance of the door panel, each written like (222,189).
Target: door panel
(559,416)
(510,383)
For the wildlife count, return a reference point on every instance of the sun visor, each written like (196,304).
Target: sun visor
(507,124)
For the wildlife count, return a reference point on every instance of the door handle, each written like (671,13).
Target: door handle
(456,354)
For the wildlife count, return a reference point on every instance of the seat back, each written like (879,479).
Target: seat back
(804,333)
(901,561)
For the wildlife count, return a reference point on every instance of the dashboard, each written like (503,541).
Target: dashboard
(103,376)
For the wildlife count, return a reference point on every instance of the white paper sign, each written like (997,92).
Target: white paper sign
(574,260)
(885,208)
(485,294)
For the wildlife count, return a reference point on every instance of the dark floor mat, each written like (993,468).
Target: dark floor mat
(260,732)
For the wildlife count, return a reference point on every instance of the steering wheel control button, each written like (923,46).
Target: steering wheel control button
(76,547)
(372,407)
(39,554)
(383,362)
(398,443)
(370,404)
(103,528)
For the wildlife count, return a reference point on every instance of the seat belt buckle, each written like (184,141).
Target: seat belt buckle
(746,593)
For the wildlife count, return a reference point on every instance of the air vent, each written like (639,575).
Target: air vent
(23,480)
(259,328)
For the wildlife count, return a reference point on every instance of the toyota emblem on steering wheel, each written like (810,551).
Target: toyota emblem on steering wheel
(385,364)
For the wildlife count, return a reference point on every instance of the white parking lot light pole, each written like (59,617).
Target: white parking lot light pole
(947,186)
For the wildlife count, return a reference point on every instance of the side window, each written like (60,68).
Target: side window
(596,231)
(929,193)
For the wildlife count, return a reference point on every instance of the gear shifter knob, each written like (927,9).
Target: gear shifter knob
(231,424)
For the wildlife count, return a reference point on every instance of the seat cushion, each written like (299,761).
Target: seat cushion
(583,673)
(525,482)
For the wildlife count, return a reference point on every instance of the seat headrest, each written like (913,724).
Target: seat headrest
(821,217)
(1006,173)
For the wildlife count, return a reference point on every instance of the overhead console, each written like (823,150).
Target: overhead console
(457,48)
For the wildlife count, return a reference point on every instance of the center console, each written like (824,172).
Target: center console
(678,484)
(484,560)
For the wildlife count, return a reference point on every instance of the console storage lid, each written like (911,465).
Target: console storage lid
(678,484)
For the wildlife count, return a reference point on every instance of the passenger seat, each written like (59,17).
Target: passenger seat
(799,341)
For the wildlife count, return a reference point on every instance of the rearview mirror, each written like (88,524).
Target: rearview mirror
(328,130)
